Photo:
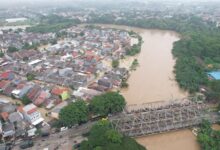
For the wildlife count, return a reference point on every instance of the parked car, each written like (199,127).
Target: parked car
(27,144)
(63,129)
(45,134)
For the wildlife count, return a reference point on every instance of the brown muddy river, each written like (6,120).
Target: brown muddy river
(154,81)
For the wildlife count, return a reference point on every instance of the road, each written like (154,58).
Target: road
(62,140)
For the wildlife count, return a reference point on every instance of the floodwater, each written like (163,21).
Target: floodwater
(153,81)
(175,140)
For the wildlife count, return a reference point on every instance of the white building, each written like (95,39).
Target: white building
(32,115)
(12,20)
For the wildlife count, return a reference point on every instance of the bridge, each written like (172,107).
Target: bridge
(152,118)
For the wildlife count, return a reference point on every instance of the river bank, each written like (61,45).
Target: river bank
(154,80)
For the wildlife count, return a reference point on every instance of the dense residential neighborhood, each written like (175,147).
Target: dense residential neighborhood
(78,66)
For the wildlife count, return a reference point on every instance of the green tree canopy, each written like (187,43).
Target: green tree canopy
(111,102)
(74,113)
(30,76)
(25,100)
(12,49)
(208,138)
(115,63)
(103,137)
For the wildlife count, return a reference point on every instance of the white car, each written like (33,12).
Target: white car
(63,129)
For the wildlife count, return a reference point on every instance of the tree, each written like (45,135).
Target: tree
(103,137)
(110,102)
(53,41)
(1,54)
(113,136)
(25,100)
(81,33)
(115,63)
(74,113)
(207,137)
(52,23)
(30,76)
(124,83)
(12,49)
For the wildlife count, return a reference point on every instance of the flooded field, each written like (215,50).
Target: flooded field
(154,81)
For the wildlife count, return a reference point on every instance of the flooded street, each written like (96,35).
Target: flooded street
(152,81)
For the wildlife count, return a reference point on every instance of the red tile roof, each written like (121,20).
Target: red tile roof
(32,110)
(4,115)
(34,92)
(20,86)
(3,83)
(5,75)
(20,109)
(58,91)
(41,98)
(75,54)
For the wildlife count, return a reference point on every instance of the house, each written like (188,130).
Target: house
(24,54)
(97,87)
(122,72)
(9,108)
(63,93)
(64,72)
(56,110)
(4,116)
(15,117)
(21,90)
(105,82)
(32,115)
(34,92)
(4,84)
(7,75)
(86,93)
(34,62)
(41,98)
(8,130)
(7,91)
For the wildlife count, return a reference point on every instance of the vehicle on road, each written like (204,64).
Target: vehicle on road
(45,134)
(63,129)
(26,144)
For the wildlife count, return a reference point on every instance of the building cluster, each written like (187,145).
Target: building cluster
(17,122)
(75,67)
(19,38)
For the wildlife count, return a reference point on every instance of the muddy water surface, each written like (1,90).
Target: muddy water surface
(154,81)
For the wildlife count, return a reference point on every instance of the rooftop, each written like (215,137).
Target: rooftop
(215,75)
(30,108)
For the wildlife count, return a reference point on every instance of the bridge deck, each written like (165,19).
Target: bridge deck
(159,118)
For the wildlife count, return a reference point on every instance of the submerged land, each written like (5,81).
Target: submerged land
(63,69)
